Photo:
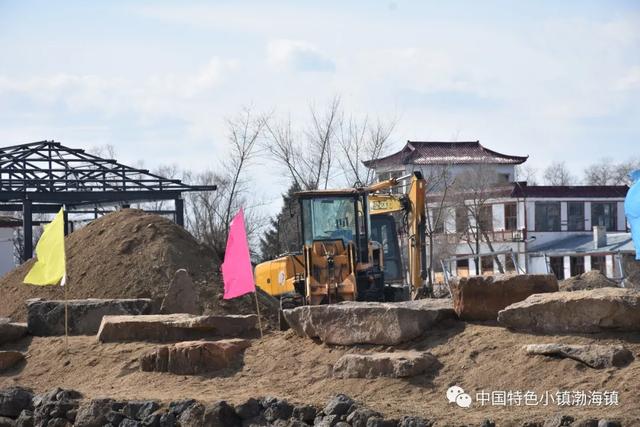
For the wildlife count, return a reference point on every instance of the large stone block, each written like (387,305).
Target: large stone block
(350,323)
(194,357)
(182,295)
(398,364)
(9,359)
(46,318)
(174,327)
(11,331)
(595,355)
(597,310)
(482,297)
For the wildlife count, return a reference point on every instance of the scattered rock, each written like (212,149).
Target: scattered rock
(249,409)
(14,400)
(192,416)
(482,297)
(326,421)
(598,310)
(609,423)
(7,422)
(339,405)
(182,296)
(167,420)
(350,323)
(139,410)
(46,318)
(558,420)
(179,406)
(93,413)
(174,327)
(221,414)
(305,413)
(590,280)
(414,422)
(595,356)
(193,357)
(360,416)
(25,419)
(9,359)
(398,364)
(278,409)
(11,331)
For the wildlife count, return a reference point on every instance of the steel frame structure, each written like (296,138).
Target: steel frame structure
(40,177)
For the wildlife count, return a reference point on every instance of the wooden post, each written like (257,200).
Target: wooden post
(258,310)
(27,230)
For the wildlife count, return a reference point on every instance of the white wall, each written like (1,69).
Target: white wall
(7,262)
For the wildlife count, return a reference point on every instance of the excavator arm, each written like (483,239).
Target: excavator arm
(413,203)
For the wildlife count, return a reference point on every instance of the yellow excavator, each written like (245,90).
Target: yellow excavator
(350,247)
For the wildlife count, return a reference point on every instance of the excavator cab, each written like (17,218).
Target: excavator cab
(341,262)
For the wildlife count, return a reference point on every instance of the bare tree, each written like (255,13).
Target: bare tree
(557,173)
(308,155)
(440,182)
(360,140)
(606,172)
(208,214)
(473,190)
(526,173)
(106,150)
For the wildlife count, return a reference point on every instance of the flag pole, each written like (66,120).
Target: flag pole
(255,293)
(65,285)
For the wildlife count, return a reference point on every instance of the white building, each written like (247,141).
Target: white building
(8,226)
(549,229)
(546,228)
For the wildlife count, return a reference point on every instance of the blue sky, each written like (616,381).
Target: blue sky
(553,80)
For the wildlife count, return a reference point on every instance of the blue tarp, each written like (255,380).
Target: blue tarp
(632,210)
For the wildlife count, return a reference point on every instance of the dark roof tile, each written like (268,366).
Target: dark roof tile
(444,153)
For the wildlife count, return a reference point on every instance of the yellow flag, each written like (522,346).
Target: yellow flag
(50,266)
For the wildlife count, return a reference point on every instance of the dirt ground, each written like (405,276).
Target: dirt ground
(475,357)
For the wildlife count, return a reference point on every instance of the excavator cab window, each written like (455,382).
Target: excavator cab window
(334,218)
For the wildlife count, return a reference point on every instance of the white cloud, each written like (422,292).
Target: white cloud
(630,81)
(297,55)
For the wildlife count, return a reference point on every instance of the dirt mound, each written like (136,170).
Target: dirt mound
(131,254)
(590,280)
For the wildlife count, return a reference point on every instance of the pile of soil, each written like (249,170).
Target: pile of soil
(476,357)
(131,254)
(590,280)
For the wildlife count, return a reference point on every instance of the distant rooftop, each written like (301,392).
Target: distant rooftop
(444,153)
(522,190)
(583,244)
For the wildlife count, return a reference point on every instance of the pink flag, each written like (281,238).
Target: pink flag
(236,268)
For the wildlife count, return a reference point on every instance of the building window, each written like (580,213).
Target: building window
(462,267)
(575,216)
(576,264)
(599,263)
(486,218)
(487,264)
(509,265)
(547,216)
(604,214)
(510,217)
(462,220)
(557,266)
(504,177)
